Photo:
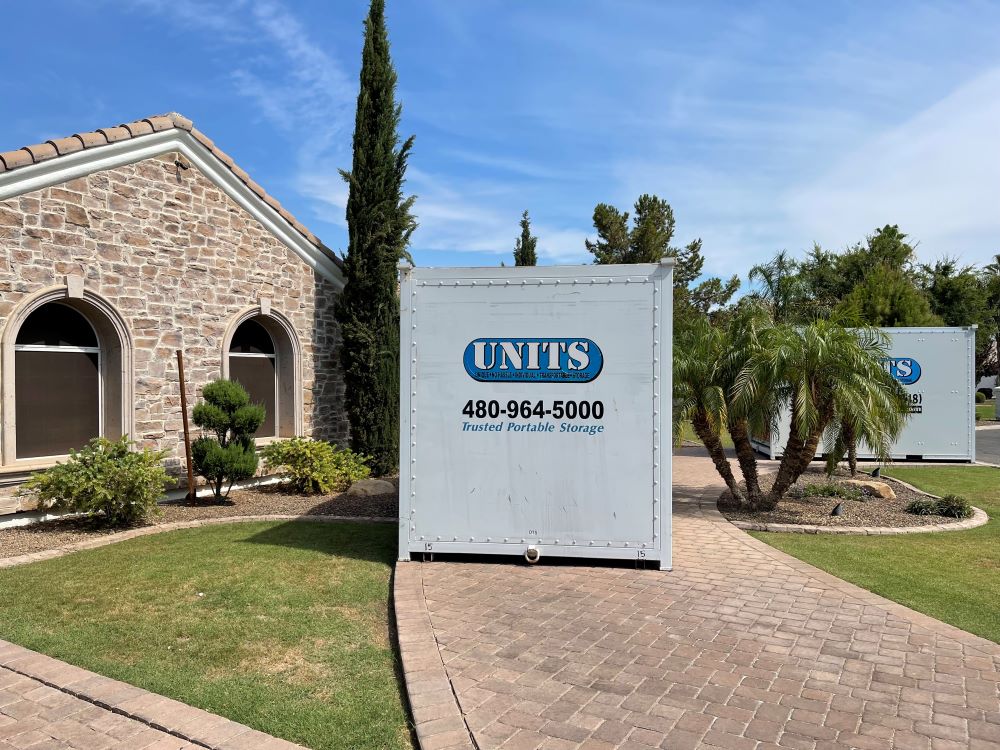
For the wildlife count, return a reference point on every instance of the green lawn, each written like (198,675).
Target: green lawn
(953,576)
(281,626)
(687,433)
(986,411)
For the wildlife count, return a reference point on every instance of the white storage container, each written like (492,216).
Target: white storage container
(937,368)
(535,411)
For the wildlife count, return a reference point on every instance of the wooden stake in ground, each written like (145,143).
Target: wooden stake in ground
(187,431)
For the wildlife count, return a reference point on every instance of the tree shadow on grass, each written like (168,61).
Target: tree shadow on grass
(373,542)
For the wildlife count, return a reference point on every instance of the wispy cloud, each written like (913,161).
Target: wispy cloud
(937,175)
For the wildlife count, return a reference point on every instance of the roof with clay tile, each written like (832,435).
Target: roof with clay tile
(56,147)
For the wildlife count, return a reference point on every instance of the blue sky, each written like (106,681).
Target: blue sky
(767,126)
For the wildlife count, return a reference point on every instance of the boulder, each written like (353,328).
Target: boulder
(371,488)
(878,489)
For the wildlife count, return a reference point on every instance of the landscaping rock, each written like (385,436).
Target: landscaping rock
(371,488)
(878,489)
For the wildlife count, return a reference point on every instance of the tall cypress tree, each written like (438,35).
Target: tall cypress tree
(524,247)
(379,225)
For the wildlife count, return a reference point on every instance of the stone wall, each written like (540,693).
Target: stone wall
(179,260)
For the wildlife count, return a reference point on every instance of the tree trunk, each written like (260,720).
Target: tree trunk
(786,469)
(809,448)
(852,449)
(710,439)
(748,461)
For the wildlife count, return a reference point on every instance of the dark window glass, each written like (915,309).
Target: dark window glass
(56,325)
(257,375)
(56,396)
(251,338)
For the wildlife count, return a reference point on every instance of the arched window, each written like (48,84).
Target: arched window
(57,382)
(253,362)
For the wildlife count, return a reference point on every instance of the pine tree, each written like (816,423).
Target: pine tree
(379,225)
(648,240)
(524,248)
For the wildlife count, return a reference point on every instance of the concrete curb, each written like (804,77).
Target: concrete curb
(187,723)
(437,716)
(979,518)
(121,536)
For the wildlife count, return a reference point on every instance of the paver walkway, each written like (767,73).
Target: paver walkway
(47,704)
(740,646)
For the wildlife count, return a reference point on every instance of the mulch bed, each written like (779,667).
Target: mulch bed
(815,511)
(259,501)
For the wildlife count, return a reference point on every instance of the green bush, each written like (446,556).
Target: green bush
(106,478)
(832,489)
(313,466)
(924,506)
(950,506)
(980,397)
(231,455)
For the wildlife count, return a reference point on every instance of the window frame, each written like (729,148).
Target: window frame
(69,350)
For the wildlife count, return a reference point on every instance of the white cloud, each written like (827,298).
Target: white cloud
(937,175)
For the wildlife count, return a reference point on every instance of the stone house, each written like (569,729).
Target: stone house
(122,245)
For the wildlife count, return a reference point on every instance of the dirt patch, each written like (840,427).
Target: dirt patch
(797,508)
(273,499)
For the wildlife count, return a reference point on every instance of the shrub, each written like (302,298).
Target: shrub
(924,506)
(950,506)
(980,397)
(313,466)
(954,506)
(229,456)
(832,489)
(105,477)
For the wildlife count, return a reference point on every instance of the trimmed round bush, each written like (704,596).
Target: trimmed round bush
(980,397)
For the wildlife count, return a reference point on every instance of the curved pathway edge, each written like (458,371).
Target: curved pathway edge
(979,518)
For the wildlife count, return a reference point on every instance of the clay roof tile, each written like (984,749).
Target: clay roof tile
(160,122)
(115,134)
(91,139)
(15,159)
(203,139)
(42,151)
(67,145)
(180,121)
(139,127)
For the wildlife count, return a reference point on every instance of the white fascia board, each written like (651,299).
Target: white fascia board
(65,168)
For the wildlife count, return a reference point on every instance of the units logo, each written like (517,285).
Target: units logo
(517,360)
(905,369)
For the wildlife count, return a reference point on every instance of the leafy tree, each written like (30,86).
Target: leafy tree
(646,241)
(887,297)
(524,248)
(961,297)
(229,456)
(991,280)
(380,223)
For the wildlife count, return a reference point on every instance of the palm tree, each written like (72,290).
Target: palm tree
(699,392)
(745,417)
(830,375)
(781,287)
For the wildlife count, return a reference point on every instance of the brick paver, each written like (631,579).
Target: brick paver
(740,646)
(47,704)
(34,715)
